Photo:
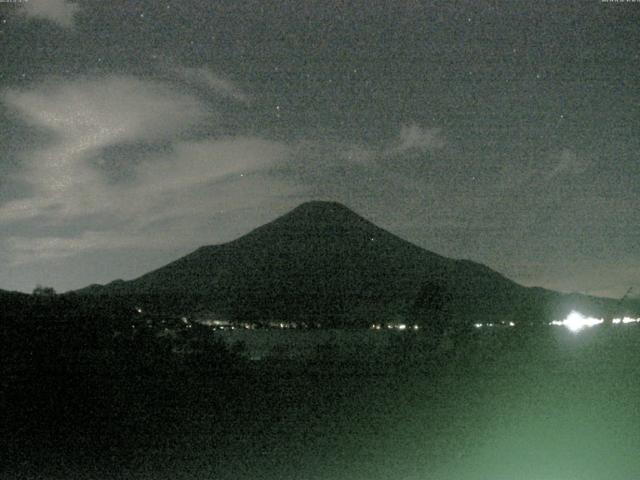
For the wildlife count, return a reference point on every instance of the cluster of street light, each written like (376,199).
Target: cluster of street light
(493,324)
(575,321)
(393,326)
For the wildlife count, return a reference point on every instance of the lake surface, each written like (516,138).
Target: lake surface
(301,343)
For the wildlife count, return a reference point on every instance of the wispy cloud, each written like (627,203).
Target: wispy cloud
(567,162)
(27,249)
(168,195)
(176,190)
(417,138)
(83,118)
(60,12)
(205,78)
(411,141)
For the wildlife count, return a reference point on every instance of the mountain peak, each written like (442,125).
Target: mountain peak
(321,204)
(318,206)
(322,211)
(311,220)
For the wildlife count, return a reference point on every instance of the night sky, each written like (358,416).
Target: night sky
(132,132)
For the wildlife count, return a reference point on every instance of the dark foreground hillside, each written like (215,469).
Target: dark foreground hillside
(489,404)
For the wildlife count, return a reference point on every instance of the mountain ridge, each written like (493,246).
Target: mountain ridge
(323,261)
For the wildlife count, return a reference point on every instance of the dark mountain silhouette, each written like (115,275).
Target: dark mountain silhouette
(7,294)
(11,301)
(323,263)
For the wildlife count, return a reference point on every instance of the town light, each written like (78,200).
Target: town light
(575,321)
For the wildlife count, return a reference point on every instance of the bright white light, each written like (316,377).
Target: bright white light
(511,324)
(576,321)
(617,321)
(402,326)
(477,325)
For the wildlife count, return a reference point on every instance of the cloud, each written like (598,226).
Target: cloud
(200,176)
(204,77)
(107,110)
(317,156)
(171,193)
(27,249)
(165,217)
(416,138)
(177,180)
(83,118)
(57,11)
(567,162)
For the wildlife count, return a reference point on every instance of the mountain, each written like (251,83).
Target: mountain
(323,263)
(12,300)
